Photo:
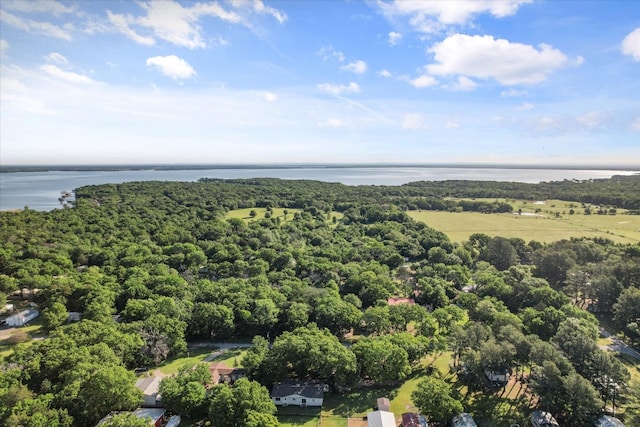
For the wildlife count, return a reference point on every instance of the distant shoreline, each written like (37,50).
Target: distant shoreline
(168,167)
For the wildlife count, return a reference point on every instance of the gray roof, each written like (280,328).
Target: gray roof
(308,390)
(607,421)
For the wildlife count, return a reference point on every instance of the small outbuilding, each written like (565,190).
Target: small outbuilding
(150,388)
(543,419)
(23,317)
(383,404)
(298,394)
(608,421)
(463,420)
(381,419)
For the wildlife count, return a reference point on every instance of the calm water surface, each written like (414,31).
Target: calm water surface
(40,190)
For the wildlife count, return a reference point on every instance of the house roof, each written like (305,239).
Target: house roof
(411,419)
(381,419)
(149,385)
(608,421)
(308,390)
(543,419)
(383,404)
(463,420)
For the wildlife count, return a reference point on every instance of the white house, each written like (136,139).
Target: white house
(298,394)
(501,377)
(381,419)
(463,420)
(149,387)
(23,317)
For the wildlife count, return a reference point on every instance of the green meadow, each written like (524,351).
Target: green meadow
(546,222)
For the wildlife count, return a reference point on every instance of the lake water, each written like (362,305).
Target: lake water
(41,190)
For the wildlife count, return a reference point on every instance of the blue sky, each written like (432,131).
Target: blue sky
(379,81)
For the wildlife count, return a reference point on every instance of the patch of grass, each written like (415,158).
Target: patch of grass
(172,366)
(460,225)
(245,214)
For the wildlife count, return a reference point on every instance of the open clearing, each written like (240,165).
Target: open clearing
(460,225)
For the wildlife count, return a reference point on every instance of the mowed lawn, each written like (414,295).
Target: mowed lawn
(460,225)
(245,214)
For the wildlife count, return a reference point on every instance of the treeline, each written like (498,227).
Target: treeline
(154,265)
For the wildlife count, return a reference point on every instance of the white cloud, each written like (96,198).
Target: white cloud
(328,52)
(394,38)
(357,67)
(339,89)
(172,66)
(259,7)
(56,57)
(68,76)
(635,125)
(487,58)
(331,123)
(412,121)
(593,120)
(423,81)
(39,6)
(4,47)
(384,73)
(172,22)
(631,44)
(36,27)
(509,93)
(464,84)
(268,96)
(452,124)
(525,106)
(122,23)
(434,16)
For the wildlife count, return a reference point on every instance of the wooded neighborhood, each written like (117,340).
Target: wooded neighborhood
(353,310)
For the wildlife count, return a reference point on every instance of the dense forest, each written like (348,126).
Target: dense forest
(153,266)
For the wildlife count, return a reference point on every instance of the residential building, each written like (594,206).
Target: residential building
(23,317)
(411,419)
(381,419)
(298,394)
(608,421)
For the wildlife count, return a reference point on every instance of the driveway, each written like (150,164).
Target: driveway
(619,346)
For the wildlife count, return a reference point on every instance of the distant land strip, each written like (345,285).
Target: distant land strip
(133,167)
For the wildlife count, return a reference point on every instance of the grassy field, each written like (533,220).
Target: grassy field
(545,228)
(245,214)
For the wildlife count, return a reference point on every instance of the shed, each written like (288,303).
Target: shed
(298,394)
(608,421)
(543,419)
(463,420)
(411,419)
(383,404)
(23,317)
(381,419)
(150,387)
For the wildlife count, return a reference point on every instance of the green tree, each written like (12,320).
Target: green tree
(186,392)
(54,316)
(381,361)
(245,404)
(580,399)
(126,420)
(433,396)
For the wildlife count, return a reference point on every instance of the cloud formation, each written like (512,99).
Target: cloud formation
(485,57)
(434,16)
(172,66)
(394,38)
(339,89)
(357,67)
(68,76)
(631,44)
(36,27)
